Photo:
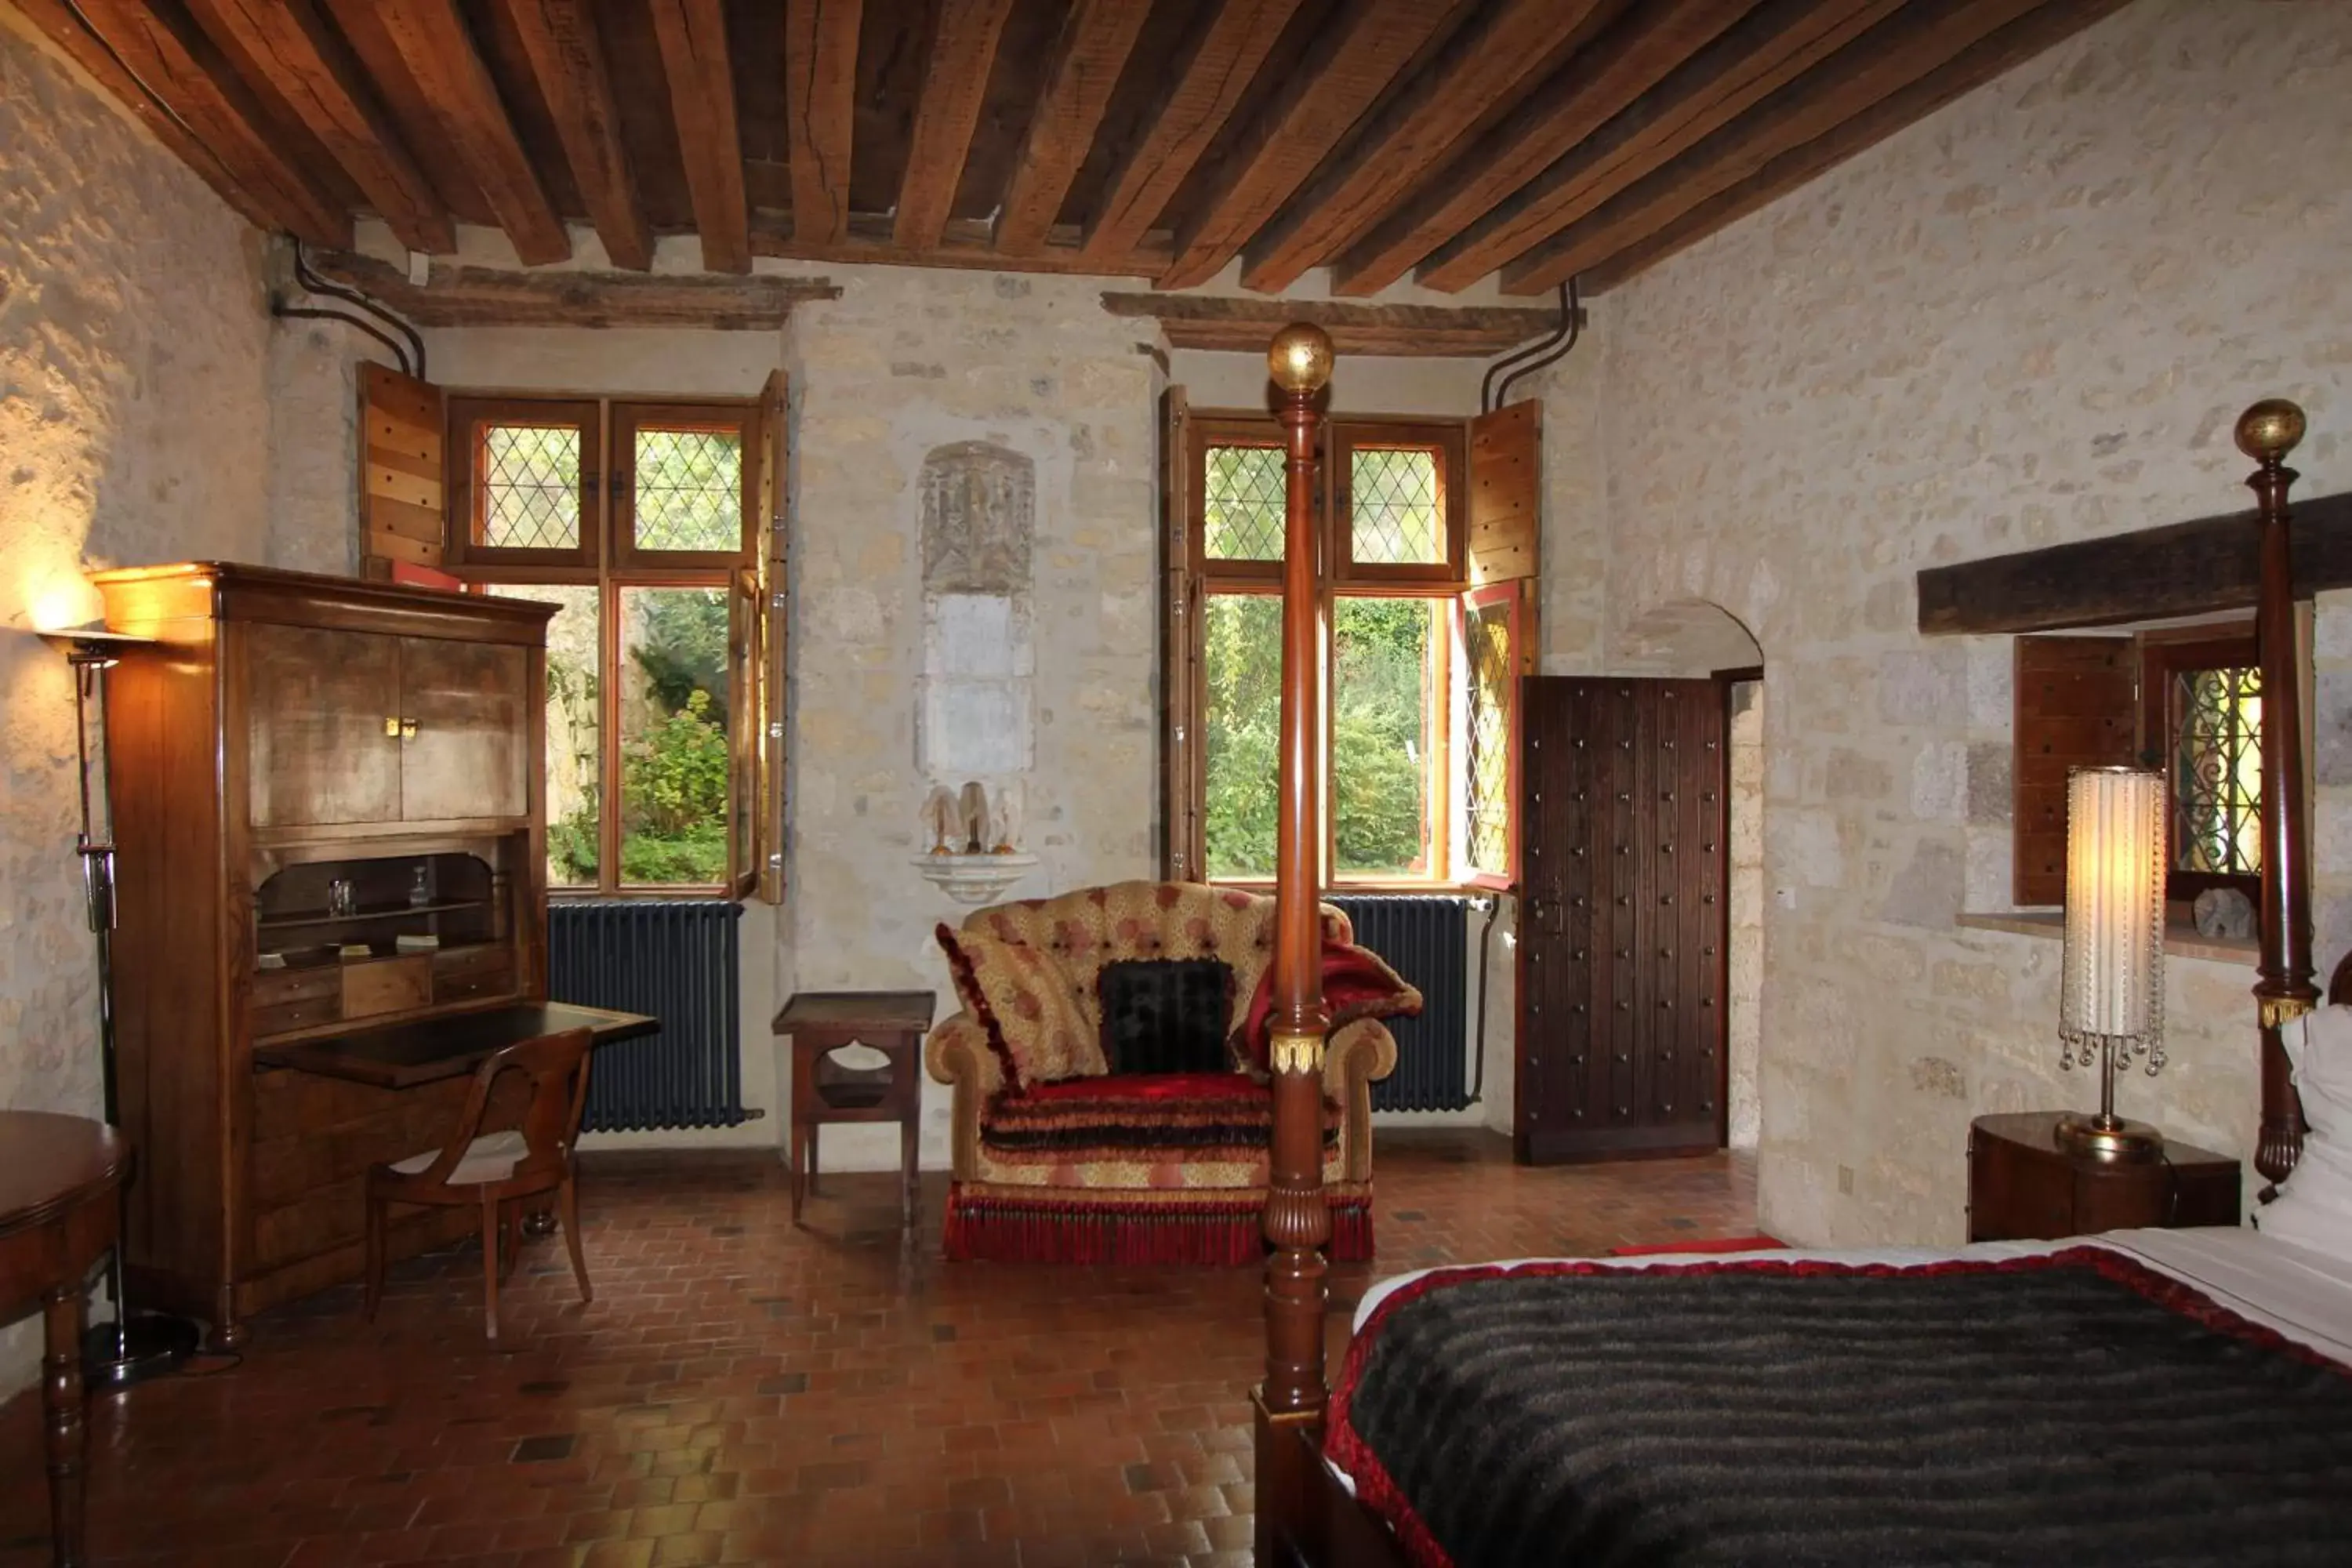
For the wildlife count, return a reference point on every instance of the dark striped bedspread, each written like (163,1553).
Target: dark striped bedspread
(2077,1409)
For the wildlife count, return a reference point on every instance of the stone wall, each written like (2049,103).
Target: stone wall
(134,425)
(2031,317)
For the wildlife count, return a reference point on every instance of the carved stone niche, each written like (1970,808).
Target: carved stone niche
(980,506)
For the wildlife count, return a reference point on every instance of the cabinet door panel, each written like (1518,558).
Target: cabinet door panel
(317,702)
(470,704)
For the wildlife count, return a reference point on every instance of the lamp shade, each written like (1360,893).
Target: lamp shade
(2113,986)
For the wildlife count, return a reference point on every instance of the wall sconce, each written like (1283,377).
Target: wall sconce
(2111,991)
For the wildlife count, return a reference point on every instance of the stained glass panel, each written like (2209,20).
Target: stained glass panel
(1486,769)
(688,489)
(529,481)
(1242,503)
(1396,516)
(2217,770)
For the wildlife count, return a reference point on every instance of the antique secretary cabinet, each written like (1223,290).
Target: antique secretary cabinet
(330,817)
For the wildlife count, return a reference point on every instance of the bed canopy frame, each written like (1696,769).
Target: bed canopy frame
(1302,1516)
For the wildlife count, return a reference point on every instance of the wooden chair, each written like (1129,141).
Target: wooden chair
(500,1169)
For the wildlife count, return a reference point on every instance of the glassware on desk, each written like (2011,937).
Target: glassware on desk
(340,902)
(420,887)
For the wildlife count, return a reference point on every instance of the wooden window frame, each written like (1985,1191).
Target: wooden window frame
(1347,436)
(605,563)
(468,414)
(2164,654)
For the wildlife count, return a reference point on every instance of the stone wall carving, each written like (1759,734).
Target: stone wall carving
(979,511)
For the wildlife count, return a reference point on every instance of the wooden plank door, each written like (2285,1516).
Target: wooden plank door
(316,707)
(1623,930)
(469,705)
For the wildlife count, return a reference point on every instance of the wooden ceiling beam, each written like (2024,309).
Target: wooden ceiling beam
(1485,62)
(963,52)
(820,113)
(440,54)
(1352,61)
(692,35)
(502,297)
(968,243)
(1602,78)
(1245,325)
(1095,40)
(1214,69)
(160,46)
(1979,63)
(567,60)
(81,45)
(1892,56)
(312,69)
(1758,55)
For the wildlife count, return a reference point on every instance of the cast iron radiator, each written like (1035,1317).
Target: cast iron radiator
(1426,939)
(674,958)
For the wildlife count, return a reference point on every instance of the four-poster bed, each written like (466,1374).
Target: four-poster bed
(1794,1406)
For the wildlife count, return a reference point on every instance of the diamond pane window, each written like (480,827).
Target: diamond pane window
(1486,768)
(2217,770)
(688,489)
(1243,503)
(529,487)
(1396,513)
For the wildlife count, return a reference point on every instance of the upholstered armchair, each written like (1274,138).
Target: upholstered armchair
(1064,1152)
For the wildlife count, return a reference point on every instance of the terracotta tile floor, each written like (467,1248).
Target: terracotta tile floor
(744,1392)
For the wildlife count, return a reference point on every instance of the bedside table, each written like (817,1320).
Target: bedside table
(2024,1187)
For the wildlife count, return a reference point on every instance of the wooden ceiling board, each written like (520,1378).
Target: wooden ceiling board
(692,36)
(567,60)
(820,113)
(1032,28)
(1081,69)
(1136,99)
(641,92)
(893,52)
(361,23)
(755,42)
(504,54)
(947,111)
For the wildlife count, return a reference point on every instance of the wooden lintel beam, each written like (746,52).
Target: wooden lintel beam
(567,60)
(1209,77)
(439,52)
(963,51)
(1245,325)
(1906,47)
(1350,64)
(820,113)
(967,244)
(501,297)
(2206,567)
(167,52)
(1485,61)
(1095,40)
(1758,55)
(313,71)
(1988,58)
(81,45)
(692,35)
(1607,74)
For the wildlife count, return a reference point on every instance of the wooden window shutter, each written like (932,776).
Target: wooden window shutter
(1503,561)
(1183,848)
(402,507)
(2077,707)
(771,433)
(1505,495)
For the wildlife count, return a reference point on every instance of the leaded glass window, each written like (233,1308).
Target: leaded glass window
(1487,735)
(688,489)
(1243,503)
(2217,770)
(529,487)
(1395,512)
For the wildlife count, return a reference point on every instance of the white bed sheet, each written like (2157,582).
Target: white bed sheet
(2304,1295)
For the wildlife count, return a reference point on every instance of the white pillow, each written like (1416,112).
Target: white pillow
(2313,1206)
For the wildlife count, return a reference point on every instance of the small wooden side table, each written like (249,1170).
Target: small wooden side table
(59,1211)
(2024,1186)
(821,1021)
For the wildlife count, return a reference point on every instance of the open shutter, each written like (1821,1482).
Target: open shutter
(403,512)
(1184,849)
(1503,564)
(2075,708)
(772,602)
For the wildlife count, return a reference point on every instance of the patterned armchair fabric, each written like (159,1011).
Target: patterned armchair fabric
(1168,1167)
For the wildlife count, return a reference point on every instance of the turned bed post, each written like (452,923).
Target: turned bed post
(1297,1219)
(2267,431)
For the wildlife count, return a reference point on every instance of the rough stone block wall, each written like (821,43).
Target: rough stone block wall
(2031,317)
(134,427)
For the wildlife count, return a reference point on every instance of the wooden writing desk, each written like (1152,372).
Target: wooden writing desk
(402,1055)
(58,1213)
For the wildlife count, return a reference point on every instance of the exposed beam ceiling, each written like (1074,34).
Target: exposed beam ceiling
(1454,141)
(501,297)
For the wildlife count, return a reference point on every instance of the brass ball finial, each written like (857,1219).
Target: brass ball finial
(1300,358)
(2270,429)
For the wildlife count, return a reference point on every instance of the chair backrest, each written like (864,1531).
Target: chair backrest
(557,1065)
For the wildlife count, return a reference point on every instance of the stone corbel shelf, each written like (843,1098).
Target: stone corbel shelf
(2179,942)
(975,879)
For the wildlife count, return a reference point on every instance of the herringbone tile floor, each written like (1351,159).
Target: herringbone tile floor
(742,1391)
